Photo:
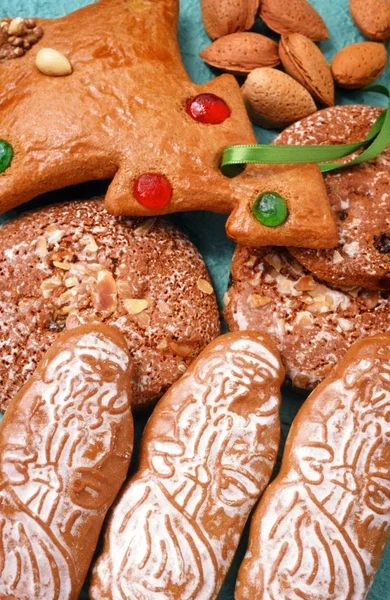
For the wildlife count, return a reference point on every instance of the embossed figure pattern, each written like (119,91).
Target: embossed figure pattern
(100,122)
(320,529)
(207,453)
(65,447)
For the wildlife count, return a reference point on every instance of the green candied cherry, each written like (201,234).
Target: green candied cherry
(270,209)
(6,154)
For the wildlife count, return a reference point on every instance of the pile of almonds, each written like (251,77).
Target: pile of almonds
(277,99)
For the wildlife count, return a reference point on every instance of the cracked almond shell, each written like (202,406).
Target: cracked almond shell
(304,61)
(241,53)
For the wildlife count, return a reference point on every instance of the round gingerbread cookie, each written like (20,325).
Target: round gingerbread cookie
(359,196)
(74,263)
(312,324)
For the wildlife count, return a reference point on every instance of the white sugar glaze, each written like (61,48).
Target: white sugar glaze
(321,525)
(50,454)
(208,452)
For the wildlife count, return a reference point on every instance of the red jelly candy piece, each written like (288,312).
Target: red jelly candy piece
(208,108)
(152,190)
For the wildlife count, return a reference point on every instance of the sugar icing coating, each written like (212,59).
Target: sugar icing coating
(321,527)
(207,453)
(65,447)
(74,263)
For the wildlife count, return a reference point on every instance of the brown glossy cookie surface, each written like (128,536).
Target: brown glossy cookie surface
(359,196)
(312,324)
(74,263)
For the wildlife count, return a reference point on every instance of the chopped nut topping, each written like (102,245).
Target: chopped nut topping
(370,298)
(90,244)
(73,321)
(54,235)
(275,261)
(143,319)
(65,266)
(306,299)
(226,299)
(205,286)
(104,297)
(181,349)
(135,306)
(163,345)
(281,326)
(124,289)
(257,301)
(285,285)
(306,284)
(41,246)
(144,228)
(345,324)
(182,368)
(304,318)
(17,36)
(71,282)
(337,258)
(251,261)
(320,305)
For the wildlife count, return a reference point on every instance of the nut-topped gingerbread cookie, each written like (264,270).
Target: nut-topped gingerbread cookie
(74,263)
(115,102)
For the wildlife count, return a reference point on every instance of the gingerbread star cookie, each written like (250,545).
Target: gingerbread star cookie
(103,94)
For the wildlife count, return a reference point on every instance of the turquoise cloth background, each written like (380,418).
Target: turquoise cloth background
(205,229)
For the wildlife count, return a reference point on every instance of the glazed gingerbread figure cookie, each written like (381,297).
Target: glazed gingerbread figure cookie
(207,453)
(121,106)
(321,527)
(65,447)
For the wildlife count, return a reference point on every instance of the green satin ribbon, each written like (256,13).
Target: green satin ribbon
(235,157)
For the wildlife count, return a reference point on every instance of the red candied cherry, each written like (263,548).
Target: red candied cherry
(152,190)
(208,108)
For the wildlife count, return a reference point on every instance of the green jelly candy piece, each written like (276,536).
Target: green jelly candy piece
(6,154)
(270,209)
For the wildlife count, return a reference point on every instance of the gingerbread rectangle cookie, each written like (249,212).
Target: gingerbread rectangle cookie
(207,453)
(320,529)
(65,447)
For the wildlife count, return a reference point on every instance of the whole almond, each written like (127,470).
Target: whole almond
(372,18)
(274,99)
(359,64)
(221,17)
(293,16)
(53,63)
(241,52)
(304,61)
